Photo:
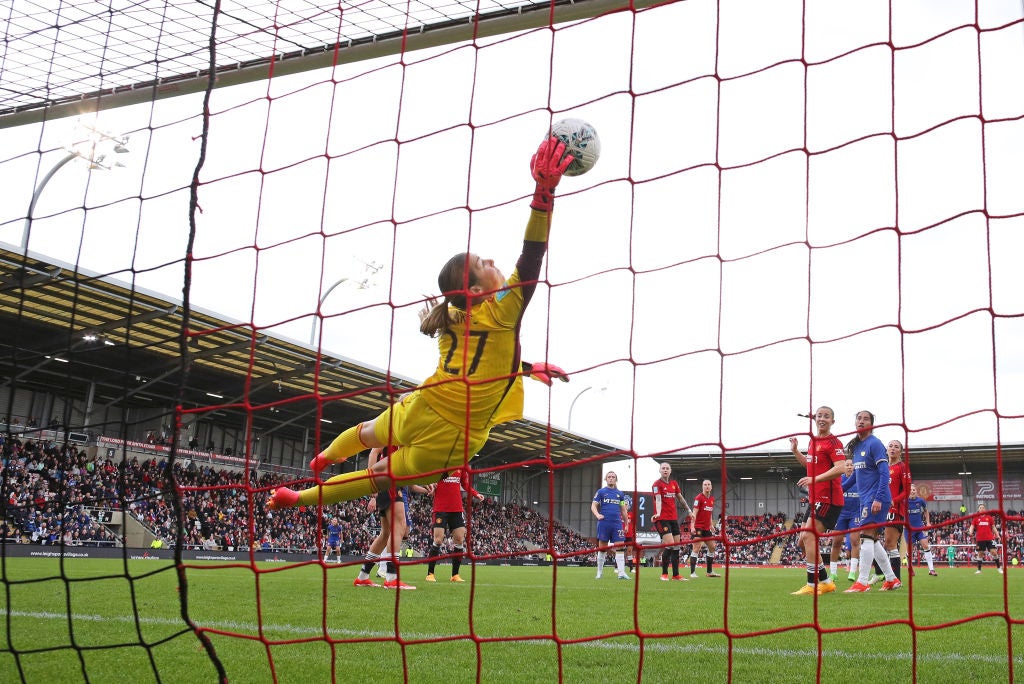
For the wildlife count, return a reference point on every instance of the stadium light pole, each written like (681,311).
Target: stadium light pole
(317,317)
(577,398)
(89,150)
(370,268)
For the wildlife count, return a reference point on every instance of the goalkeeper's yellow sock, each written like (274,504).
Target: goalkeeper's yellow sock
(348,443)
(340,488)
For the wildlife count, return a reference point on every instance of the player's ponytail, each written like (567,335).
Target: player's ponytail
(452,281)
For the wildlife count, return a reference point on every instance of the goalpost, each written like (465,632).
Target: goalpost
(798,203)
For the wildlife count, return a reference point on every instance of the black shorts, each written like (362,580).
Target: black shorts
(702,534)
(385,498)
(987,545)
(894,521)
(383,501)
(452,521)
(664,527)
(827,514)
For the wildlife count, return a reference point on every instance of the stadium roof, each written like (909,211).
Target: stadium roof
(88,56)
(63,331)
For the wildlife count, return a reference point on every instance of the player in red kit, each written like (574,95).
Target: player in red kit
(825,462)
(985,531)
(450,514)
(702,529)
(629,529)
(666,520)
(899,487)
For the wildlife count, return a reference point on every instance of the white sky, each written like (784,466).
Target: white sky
(714,306)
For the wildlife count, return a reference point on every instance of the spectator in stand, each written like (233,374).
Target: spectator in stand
(917,518)
(985,534)
(702,530)
(609,507)
(450,515)
(666,520)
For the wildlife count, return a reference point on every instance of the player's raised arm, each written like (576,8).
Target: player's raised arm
(801,459)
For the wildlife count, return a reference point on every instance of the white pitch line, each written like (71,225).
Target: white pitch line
(651,644)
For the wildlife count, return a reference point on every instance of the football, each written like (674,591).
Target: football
(581,142)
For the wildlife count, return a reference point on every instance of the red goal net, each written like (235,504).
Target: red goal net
(796,204)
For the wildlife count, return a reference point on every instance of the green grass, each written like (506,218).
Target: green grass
(89,620)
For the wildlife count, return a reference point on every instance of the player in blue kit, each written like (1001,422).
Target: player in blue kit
(918,517)
(871,478)
(847,521)
(610,509)
(333,540)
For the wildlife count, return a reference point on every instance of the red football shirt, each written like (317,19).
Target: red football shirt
(667,491)
(448,493)
(899,488)
(703,506)
(822,454)
(984,528)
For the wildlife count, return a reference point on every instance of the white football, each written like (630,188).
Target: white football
(581,142)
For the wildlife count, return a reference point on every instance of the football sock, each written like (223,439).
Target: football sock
(392,571)
(693,564)
(930,560)
(822,573)
(855,565)
(867,554)
(895,562)
(434,552)
(457,559)
(675,562)
(811,572)
(339,488)
(371,560)
(348,443)
(600,561)
(620,562)
(708,560)
(882,558)
(833,568)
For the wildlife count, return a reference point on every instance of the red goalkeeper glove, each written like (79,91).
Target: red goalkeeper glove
(545,372)
(547,167)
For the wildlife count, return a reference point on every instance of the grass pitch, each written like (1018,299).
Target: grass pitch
(108,621)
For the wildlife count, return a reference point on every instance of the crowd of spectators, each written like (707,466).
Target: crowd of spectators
(45,491)
(52,494)
(51,490)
